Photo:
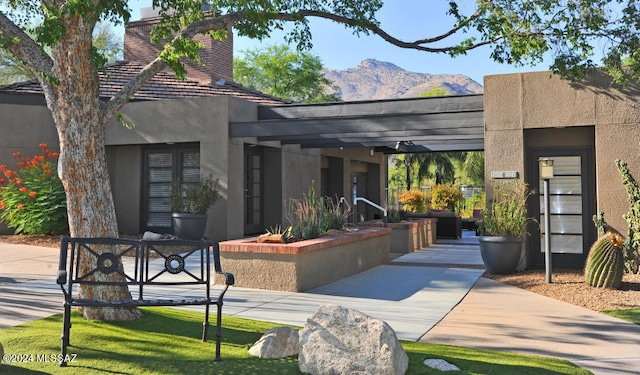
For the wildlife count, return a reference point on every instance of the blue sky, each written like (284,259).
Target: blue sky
(404,19)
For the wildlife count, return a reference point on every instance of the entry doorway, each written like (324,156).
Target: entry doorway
(359,180)
(253,190)
(571,206)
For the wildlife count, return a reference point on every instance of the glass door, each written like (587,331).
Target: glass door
(253,181)
(163,166)
(571,207)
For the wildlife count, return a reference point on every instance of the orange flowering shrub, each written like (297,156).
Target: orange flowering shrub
(445,197)
(412,201)
(32,198)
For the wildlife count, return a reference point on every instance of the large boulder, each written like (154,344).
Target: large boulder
(338,340)
(279,342)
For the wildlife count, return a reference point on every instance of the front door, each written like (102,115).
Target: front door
(253,190)
(571,206)
(360,181)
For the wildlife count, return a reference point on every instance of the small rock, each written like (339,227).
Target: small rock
(441,364)
(271,238)
(279,342)
(151,236)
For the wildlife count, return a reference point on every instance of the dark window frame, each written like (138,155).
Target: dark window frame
(176,152)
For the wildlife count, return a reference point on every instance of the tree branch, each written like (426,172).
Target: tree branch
(419,44)
(223,22)
(27,50)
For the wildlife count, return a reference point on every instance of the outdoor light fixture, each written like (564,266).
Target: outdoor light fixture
(546,173)
(546,168)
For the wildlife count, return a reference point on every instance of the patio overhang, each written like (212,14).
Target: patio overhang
(450,123)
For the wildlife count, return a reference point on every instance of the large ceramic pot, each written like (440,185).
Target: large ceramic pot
(189,226)
(500,255)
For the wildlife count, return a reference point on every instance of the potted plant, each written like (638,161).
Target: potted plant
(502,226)
(189,203)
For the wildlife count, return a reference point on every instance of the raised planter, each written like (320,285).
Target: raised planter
(304,265)
(449,224)
(408,236)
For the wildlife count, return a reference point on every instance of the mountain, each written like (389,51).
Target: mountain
(373,79)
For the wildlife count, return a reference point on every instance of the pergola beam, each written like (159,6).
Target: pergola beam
(453,123)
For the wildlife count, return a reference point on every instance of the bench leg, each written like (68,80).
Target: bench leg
(205,324)
(66,328)
(218,330)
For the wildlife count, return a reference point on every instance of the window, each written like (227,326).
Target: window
(163,166)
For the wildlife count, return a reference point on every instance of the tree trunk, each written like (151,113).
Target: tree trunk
(82,166)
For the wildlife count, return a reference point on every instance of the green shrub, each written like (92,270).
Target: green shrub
(631,247)
(333,217)
(32,198)
(396,216)
(194,198)
(311,216)
(507,214)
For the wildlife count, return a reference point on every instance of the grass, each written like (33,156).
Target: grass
(630,315)
(166,341)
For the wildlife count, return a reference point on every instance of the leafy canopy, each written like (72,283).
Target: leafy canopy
(292,75)
(105,40)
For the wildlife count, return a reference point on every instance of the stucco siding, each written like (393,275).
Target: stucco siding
(504,151)
(202,120)
(550,102)
(125,172)
(533,110)
(502,109)
(300,167)
(616,141)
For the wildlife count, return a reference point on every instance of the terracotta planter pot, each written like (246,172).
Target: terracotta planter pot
(500,255)
(189,226)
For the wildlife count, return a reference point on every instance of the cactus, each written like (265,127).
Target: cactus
(605,264)
(600,223)
(632,245)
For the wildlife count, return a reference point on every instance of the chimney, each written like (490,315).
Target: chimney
(217,56)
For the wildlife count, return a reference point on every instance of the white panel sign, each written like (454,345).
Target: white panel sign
(504,174)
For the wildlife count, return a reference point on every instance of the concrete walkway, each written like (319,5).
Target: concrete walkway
(435,295)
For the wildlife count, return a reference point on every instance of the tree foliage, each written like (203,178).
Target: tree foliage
(434,91)
(574,32)
(292,75)
(105,40)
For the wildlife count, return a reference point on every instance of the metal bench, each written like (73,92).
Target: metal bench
(156,273)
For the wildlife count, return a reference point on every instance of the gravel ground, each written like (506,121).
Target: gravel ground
(567,284)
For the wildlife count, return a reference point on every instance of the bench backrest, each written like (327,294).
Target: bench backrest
(138,263)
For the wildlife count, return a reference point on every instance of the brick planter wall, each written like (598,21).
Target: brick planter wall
(304,265)
(408,236)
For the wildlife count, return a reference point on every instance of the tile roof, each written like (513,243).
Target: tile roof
(163,86)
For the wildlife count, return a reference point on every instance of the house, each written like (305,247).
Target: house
(265,151)
(182,131)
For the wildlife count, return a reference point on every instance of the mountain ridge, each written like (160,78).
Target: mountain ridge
(372,79)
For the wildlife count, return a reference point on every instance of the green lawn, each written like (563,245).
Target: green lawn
(630,315)
(166,341)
